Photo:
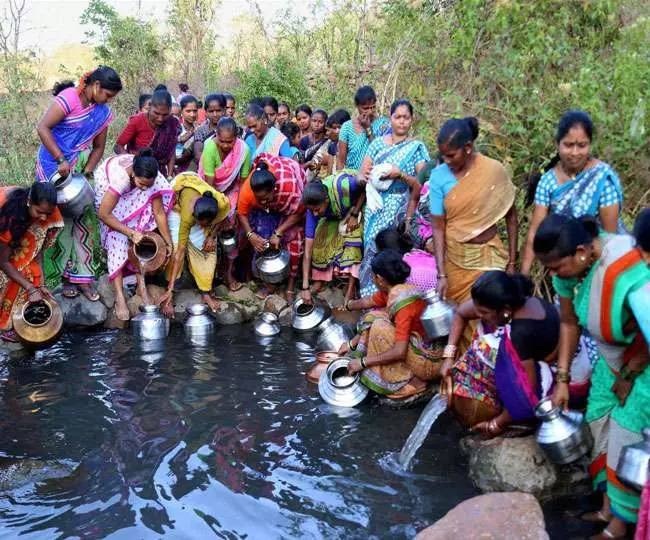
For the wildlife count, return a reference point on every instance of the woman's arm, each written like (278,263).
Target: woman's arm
(512,227)
(255,239)
(10,270)
(306,267)
(341,155)
(539,214)
(465,312)
(364,171)
(361,304)
(105,214)
(99,145)
(53,116)
(170,165)
(438,229)
(569,336)
(395,354)
(160,216)
(609,218)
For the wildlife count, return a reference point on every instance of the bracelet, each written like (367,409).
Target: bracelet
(493,426)
(449,351)
(442,276)
(305,288)
(363,363)
(249,234)
(563,376)
(346,306)
(278,234)
(60,159)
(369,132)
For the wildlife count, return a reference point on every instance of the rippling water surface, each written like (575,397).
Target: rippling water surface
(229,442)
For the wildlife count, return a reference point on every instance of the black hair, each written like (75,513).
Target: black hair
(61,86)
(364,96)
(315,193)
(199,103)
(290,130)
(14,214)
(206,207)
(229,97)
(390,265)
(219,98)
(458,132)
(303,108)
(262,179)
(496,290)
(142,99)
(642,230)
(571,119)
(161,97)
(107,77)
(401,103)
(322,113)
(338,118)
(559,235)
(255,111)
(283,104)
(186,100)
(392,239)
(183,87)
(270,101)
(145,165)
(534,178)
(226,123)
(257,101)
(160,87)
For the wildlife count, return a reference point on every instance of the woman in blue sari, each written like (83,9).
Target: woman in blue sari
(389,171)
(263,138)
(576,184)
(76,121)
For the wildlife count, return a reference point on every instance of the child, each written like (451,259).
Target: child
(292,132)
(144,103)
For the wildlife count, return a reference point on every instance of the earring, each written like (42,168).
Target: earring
(507,316)
(583,258)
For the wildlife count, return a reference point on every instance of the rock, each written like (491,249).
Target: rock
(249,312)
(16,473)
(285,316)
(229,313)
(134,304)
(155,292)
(106,291)
(275,304)
(183,299)
(491,517)
(12,350)
(244,295)
(221,292)
(113,323)
(518,464)
(80,311)
(333,296)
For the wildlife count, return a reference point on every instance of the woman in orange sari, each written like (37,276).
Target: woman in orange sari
(29,223)
(469,194)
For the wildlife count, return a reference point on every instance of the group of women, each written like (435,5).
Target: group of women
(358,199)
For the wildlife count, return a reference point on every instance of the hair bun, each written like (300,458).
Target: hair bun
(472,122)
(262,166)
(208,194)
(145,152)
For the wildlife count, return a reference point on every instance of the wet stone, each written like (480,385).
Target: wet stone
(16,473)
(81,312)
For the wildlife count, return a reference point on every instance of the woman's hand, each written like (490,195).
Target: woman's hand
(511,268)
(394,173)
(344,349)
(354,366)
(275,241)
(259,244)
(352,222)
(45,292)
(165,298)
(561,395)
(35,295)
(136,237)
(622,389)
(443,285)
(64,169)
(168,309)
(169,249)
(209,244)
(489,427)
(306,296)
(446,383)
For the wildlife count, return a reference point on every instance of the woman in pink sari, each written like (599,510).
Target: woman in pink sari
(224,162)
(131,197)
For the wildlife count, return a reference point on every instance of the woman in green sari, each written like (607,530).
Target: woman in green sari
(596,277)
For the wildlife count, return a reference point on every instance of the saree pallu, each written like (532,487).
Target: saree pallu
(270,144)
(421,230)
(40,235)
(293,240)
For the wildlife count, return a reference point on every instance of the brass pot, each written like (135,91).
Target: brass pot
(150,255)
(38,324)
(323,360)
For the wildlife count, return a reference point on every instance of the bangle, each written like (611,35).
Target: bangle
(249,234)
(363,363)
(563,376)
(278,234)
(354,212)
(449,351)
(60,159)
(346,306)
(442,276)
(305,288)
(368,132)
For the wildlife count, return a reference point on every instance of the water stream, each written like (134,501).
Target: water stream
(430,414)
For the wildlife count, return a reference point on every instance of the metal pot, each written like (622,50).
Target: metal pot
(273,265)
(320,365)
(150,326)
(150,255)
(306,317)
(267,325)
(632,468)
(563,437)
(336,387)
(73,194)
(199,325)
(331,335)
(437,316)
(228,242)
(38,324)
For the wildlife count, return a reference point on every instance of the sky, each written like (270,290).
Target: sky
(52,23)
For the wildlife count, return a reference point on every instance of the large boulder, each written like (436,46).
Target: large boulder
(518,464)
(333,296)
(491,517)
(183,299)
(229,313)
(275,303)
(106,291)
(81,312)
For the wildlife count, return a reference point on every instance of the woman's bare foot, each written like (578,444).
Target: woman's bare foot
(615,530)
(212,303)
(88,291)
(600,516)
(121,308)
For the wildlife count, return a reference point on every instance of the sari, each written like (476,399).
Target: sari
(287,201)
(406,155)
(601,304)
(333,252)
(188,234)
(274,143)
(133,209)
(422,359)
(75,255)
(24,254)
(163,145)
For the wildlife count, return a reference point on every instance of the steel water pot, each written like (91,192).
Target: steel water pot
(307,317)
(332,334)
(632,468)
(73,194)
(273,266)
(337,387)
(199,325)
(267,325)
(228,242)
(563,437)
(150,325)
(437,316)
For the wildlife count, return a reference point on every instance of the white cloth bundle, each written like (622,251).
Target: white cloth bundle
(376,184)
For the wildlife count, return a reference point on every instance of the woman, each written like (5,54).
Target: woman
(185,142)
(357,134)
(225,161)
(576,184)
(595,278)
(469,194)
(270,105)
(402,157)
(419,229)
(215,109)
(263,137)
(303,119)
(270,209)
(199,213)
(325,158)
(29,222)
(77,119)
(504,373)
(157,130)
(396,360)
(283,114)
(333,237)
(131,198)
